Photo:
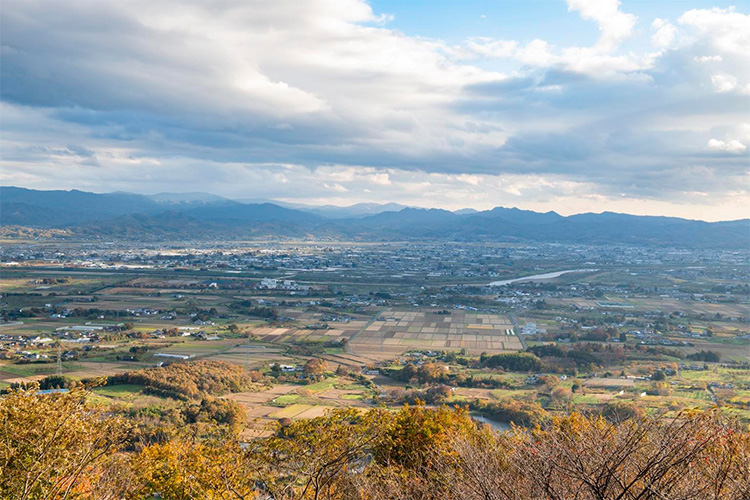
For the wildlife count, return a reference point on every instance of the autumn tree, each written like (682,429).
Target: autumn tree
(316,458)
(695,455)
(315,367)
(187,468)
(50,444)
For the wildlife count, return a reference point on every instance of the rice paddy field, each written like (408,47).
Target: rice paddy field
(391,332)
(631,305)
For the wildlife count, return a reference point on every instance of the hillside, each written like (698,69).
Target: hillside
(200,217)
(57,444)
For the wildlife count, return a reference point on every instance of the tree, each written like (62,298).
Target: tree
(50,444)
(516,361)
(696,455)
(313,458)
(186,469)
(58,447)
(315,367)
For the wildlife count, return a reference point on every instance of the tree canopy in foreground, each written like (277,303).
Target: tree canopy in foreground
(58,446)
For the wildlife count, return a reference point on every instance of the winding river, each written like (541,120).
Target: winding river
(540,277)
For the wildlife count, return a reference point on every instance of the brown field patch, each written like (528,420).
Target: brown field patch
(609,382)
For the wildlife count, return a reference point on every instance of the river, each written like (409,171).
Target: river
(498,426)
(540,277)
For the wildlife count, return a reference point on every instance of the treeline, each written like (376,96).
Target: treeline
(187,380)
(157,423)
(709,356)
(570,358)
(43,312)
(512,361)
(247,308)
(555,358)
(432,373)
(526,413)
(58,446)
(51,281)
(47,383)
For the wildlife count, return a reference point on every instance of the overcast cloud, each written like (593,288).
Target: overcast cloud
(320,101)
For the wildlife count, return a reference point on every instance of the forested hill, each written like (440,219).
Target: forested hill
(199,216)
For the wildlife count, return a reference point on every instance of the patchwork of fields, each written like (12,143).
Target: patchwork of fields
(392,332)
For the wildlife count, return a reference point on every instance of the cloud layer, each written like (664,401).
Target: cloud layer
(319,100)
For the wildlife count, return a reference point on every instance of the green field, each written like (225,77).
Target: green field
(120,391)
(286,399)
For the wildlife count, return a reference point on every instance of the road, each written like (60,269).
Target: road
(517,331)
(372,320)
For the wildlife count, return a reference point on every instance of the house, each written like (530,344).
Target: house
(268,283)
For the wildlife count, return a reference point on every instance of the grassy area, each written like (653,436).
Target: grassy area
(586,399)
(353,387)
(353,396)
(321,386)
(291,411)
(98,400)
(286,399)
(32,369)
(125,391)
(699,394)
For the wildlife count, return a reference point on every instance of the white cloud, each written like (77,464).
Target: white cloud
(665,34)
(336,188)
(708,58)
(597,61)
(537,53)
(488,47)
(320,98)
(731,146)
(614,25)
(727,30)
(381,179)
(724,83)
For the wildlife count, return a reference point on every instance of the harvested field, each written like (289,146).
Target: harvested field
(250,399)
(609,382)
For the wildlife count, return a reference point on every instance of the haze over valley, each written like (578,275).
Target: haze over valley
(374,250)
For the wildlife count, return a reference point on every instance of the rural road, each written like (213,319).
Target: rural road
(517,331)
(372,320)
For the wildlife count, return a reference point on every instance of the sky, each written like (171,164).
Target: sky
(640,107)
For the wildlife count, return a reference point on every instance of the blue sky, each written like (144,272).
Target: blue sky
(570,105)
(518,20)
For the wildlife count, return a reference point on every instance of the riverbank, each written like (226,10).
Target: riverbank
(540,277)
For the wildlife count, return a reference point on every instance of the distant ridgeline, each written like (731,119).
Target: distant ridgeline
(78,214)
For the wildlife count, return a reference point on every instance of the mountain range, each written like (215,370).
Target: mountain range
(198,216)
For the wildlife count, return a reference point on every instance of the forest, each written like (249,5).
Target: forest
(187,380)
(60,446)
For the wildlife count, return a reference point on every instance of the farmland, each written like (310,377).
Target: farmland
(367,312)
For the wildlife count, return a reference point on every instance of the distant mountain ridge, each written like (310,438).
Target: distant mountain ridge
(333,211)
(197,216)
